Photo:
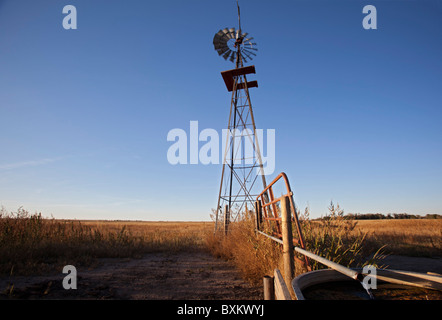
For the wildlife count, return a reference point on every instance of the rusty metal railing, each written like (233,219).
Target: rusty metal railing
(268,211)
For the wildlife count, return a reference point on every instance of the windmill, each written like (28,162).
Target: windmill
(241,172)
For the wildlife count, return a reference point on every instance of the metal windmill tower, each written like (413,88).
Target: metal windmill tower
(242,176)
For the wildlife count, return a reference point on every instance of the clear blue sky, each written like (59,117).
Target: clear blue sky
(85,113)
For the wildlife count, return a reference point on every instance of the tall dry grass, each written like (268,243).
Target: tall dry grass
(412,237)
(338,239)
(256,255)
(252,254)
(31,244)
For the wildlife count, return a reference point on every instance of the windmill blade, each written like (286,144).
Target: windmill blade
(250,48)
(218,36)
(244,58)
(222,42)
(225,35)
(226,55)
(219,44)
(243,53)
(232,33)
(233,56)
(249,52)
(250,44)
(248,55)
(223,50)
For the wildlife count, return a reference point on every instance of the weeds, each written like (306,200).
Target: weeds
(32,244)
(252,254)
(334,238)
(411,237)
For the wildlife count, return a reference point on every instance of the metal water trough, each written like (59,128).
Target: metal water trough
(329,276)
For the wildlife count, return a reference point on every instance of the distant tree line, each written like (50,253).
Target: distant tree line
(374,216)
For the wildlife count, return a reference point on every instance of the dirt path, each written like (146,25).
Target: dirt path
(165,276)
(416,264)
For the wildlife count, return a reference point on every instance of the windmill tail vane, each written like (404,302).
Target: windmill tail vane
(239,16)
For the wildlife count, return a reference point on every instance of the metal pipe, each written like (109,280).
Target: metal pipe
(268,236)
(333,265)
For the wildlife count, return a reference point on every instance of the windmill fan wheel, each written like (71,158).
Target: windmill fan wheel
(228,41)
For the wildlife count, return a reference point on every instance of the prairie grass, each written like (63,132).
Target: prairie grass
(30,244)
(338,239)
(255,255)
(352,243)
(411,237)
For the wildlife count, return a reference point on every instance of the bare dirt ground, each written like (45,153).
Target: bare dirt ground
(158,276)
(193,275)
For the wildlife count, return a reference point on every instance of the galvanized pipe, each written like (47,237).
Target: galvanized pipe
(333,265)
(268,236)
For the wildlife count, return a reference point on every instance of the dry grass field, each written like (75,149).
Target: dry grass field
(412,237)
(256,255)
(30,244)
(160,235)
(348,242)
(114,259)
